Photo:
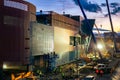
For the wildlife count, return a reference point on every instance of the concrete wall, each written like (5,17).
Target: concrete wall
(62,43)
(64,27)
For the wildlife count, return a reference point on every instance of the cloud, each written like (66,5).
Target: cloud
(89,6)
(114,8)
(103,5)
(114,4)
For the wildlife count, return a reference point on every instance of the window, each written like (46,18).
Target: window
(27,38)
(10,20)
(27,48)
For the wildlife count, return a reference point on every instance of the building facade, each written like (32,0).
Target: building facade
(15,17)
(62,28)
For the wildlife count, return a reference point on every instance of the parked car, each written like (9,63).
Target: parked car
(100,66)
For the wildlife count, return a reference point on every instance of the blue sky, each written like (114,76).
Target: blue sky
(93,8)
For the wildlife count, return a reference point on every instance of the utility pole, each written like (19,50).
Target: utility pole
(113,35)
(89,27)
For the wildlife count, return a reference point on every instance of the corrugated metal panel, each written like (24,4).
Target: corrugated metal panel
(42,39)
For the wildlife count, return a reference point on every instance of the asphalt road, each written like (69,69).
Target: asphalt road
(104,77)
(116,74)
(109,76)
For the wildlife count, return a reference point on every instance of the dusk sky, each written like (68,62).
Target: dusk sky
(94,9)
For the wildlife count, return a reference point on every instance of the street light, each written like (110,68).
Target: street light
(99,46)
(5,66)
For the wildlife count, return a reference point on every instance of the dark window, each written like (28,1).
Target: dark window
(10,20)
(27,48)
(27,38)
